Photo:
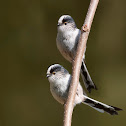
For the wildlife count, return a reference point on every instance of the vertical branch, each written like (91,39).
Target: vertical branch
(76,65)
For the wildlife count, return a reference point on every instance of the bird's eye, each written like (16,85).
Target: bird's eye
(54,73)
(65,23)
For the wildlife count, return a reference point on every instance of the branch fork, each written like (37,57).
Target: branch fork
(85,28)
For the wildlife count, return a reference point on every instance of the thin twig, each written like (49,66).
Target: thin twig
(76,65)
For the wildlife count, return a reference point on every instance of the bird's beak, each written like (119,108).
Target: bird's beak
(58,24)
(48,75)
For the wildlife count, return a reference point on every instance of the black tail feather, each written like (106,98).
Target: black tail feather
(101,107)
(116,108)
(86,78)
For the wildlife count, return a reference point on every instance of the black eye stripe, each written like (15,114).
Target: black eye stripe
(68,19)
(55,69)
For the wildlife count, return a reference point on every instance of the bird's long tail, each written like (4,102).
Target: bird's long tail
(101,107)
(86,78)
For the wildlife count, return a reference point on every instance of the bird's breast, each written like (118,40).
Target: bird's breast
(66,43)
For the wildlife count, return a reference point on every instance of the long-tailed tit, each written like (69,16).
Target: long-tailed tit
(60,79)
(67,41)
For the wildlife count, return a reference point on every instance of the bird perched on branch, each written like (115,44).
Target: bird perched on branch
(67,40)
(60,79)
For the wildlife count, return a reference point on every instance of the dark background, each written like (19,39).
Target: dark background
(28,31)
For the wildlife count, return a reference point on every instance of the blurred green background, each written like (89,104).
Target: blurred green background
(28,31)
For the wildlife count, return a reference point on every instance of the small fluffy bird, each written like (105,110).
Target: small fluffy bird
(67,40)
(60,79)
